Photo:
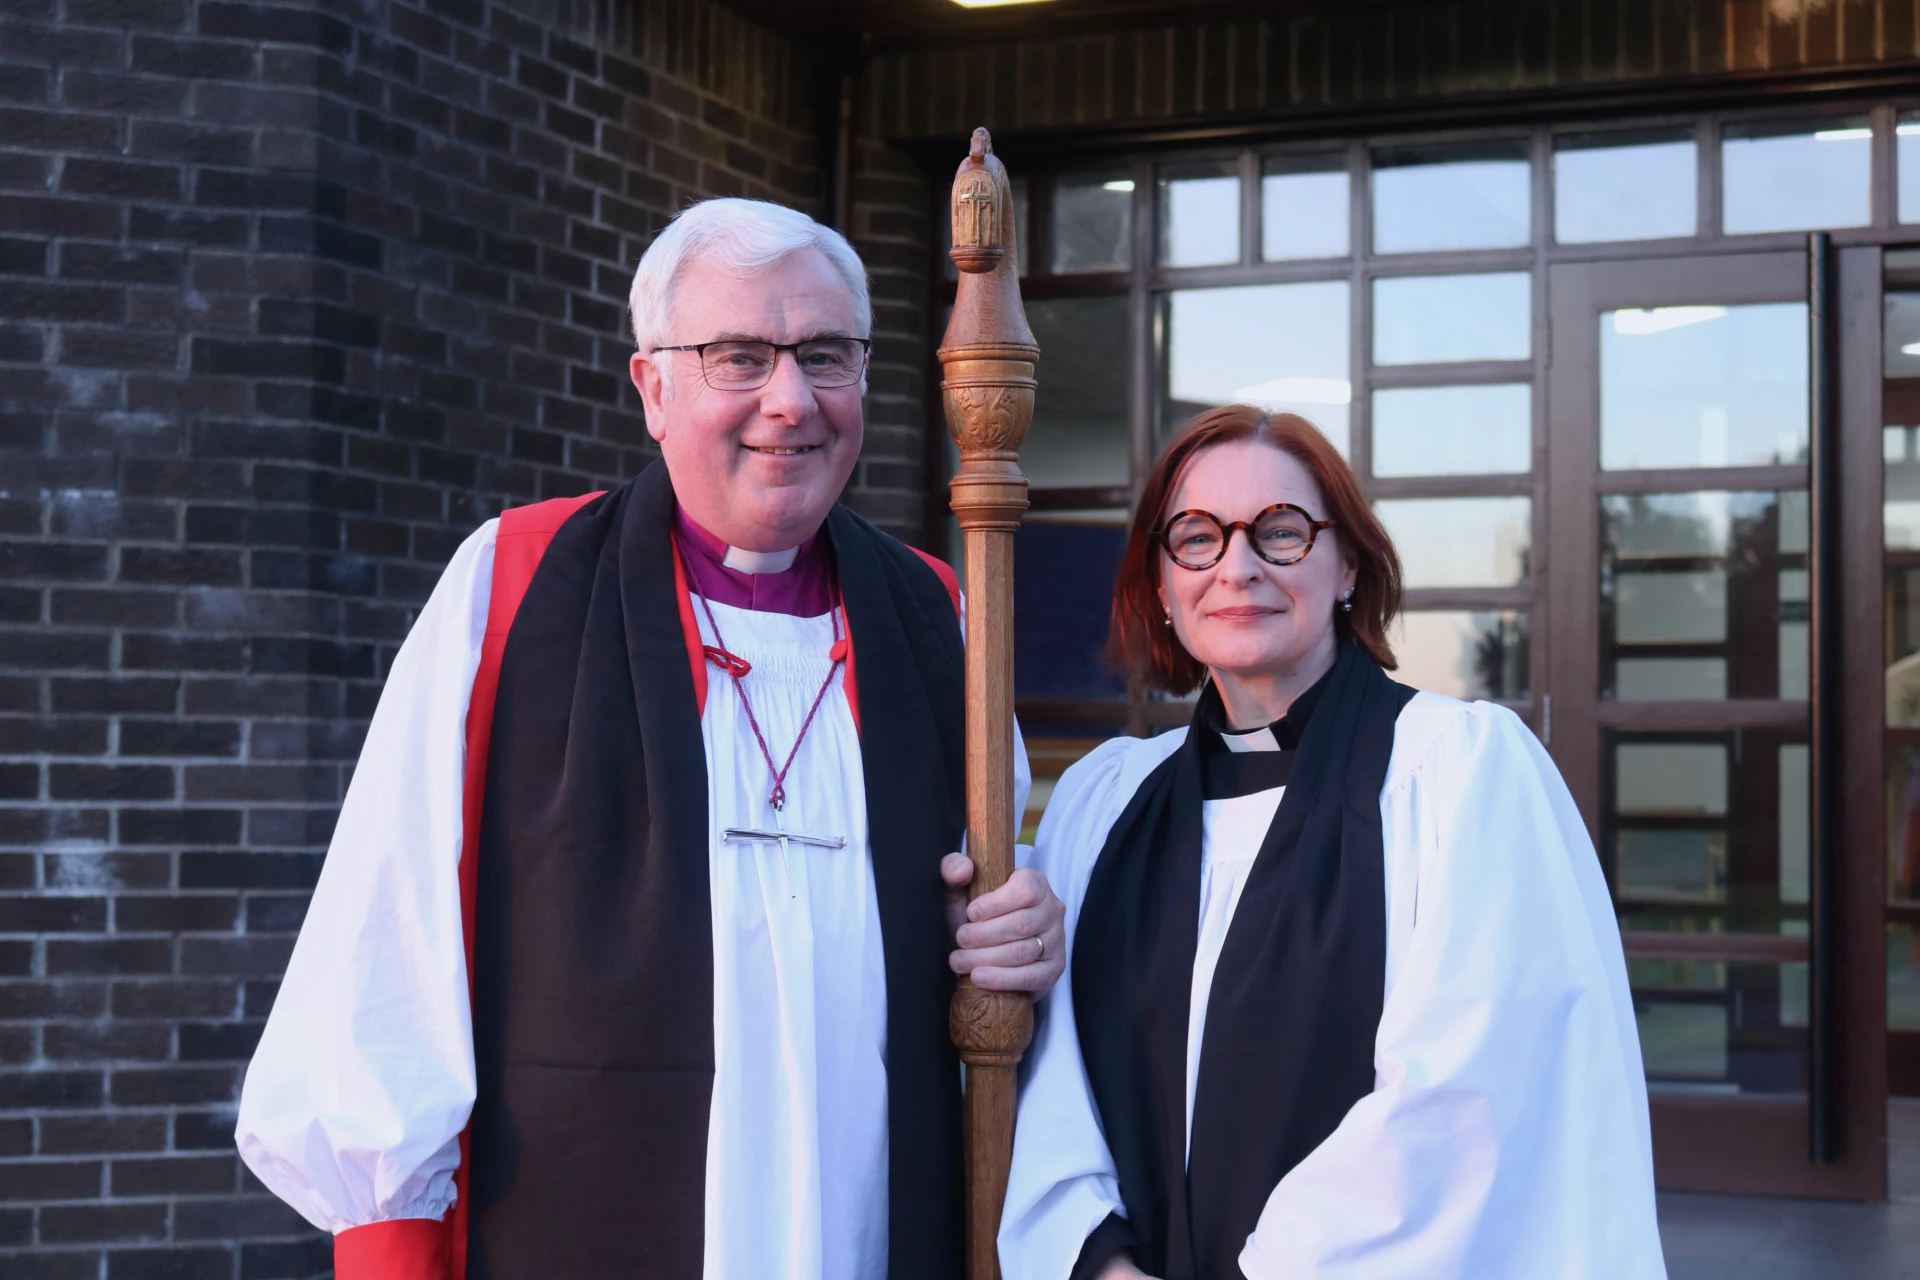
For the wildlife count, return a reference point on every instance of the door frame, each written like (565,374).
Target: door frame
(1714,1142)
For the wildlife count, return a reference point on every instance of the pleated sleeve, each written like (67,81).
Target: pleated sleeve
(1507,1135)
(364,1077)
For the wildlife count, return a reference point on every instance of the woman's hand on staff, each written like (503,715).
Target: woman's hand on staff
(1012,939)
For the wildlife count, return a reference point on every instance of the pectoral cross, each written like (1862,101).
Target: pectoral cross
(782,837)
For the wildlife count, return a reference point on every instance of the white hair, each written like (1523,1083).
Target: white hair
(741,238)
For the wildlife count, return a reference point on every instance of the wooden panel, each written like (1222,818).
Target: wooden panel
(1726,948)
(1749,1146)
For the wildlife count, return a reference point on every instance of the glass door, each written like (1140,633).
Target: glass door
(1676,586)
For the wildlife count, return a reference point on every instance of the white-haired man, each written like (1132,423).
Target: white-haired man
(631,955)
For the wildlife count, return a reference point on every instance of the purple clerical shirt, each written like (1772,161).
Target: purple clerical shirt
(804,589)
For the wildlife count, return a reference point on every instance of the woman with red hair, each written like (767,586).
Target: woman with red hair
(1347,997)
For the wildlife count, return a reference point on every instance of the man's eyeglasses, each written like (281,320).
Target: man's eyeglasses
(1282,534)
(748,366)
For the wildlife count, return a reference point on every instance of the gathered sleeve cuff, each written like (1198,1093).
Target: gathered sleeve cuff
(363,1081)
(1507,1133)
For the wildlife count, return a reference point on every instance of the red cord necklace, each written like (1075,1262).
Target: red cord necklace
(737,667)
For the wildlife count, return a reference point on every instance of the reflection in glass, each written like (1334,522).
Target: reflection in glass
(1092,222)
(1670,865)
(1064,566)
(1703,386)
(1903,977)
(1703,596)
(1670,779)
(1021,232)
(1199,215)
(1079,435)
(1707,834)
(1680,1041)
(1796,824)
(1624,186)
(1721,1028)
(1669,679)
(1463,655)
(1453,431)
(1906,164)
(1903,821)
(1460,542)
(1282,347)
(1902,329)
(1304,207)
(1436,198)
(1447,319)
(1901,566)
(1796,175)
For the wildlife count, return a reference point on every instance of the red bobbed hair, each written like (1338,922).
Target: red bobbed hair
(1143,645)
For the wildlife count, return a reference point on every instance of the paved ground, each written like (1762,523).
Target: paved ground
(1739,1238)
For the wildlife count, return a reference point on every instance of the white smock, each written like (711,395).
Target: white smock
(1507,1135)
(364,1078)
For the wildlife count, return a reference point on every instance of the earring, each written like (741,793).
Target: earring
(1169,620)
(1346,602)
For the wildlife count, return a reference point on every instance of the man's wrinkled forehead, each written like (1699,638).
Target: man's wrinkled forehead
(797,298)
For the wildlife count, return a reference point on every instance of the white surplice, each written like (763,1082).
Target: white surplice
(1507,1135)
(364,1077)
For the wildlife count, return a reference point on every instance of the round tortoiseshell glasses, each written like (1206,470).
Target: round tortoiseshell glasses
(1282,534)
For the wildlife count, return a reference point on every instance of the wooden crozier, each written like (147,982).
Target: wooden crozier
(988,357)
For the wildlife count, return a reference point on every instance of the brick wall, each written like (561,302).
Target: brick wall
(291,298)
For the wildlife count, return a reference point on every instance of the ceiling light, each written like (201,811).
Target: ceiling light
(1636,324)
(1842,135)
(1118,184)
(992,4)
(1911,349)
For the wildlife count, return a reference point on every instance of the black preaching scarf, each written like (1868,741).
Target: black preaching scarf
(593,966)
(1288,1044)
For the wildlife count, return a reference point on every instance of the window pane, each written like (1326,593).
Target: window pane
(1447,319)
(1453,431)
(1463,655)
(1304,207)
(1624,187)
(1431,198)
(1670,779)
(1907,164)
(1675,866)
(1460,542)
(1079,435)
(1280,346)
(1093,222)
(1703,596)
(1064,565)
(1903,977)
(1703,386)
(1797,176)
(1199,215)
(1903,824)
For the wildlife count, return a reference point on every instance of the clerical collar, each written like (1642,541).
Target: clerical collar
(1236,764)
(797,581)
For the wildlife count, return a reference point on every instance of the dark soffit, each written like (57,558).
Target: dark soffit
(908,24)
